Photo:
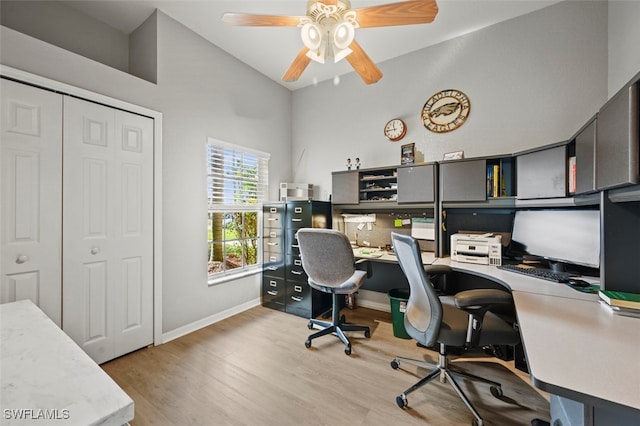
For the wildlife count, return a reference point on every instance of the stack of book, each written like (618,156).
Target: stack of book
(621,303)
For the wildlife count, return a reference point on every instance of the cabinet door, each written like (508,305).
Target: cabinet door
(31,197)
(108,229)
(416,184)
(345,187)
(463,181)
(617,140)
(542,174)
(585,158)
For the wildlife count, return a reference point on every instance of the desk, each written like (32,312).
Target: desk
(44,373)
(576,348)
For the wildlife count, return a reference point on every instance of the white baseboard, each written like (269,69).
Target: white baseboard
(212,319)
(385,307)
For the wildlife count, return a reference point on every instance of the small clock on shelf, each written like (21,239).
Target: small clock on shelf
(395,129)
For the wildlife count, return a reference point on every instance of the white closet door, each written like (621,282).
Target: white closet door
(31,196)
(107,229)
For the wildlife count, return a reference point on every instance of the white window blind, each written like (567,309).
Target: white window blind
(236,176)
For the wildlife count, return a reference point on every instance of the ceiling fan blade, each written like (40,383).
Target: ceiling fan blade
(362,63)
(249,20)
(297,66)
(403,13)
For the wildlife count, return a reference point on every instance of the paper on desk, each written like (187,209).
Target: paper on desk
(423,228)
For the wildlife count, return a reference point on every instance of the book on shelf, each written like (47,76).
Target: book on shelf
(621,299)
(625,312)
(494,181)
(573,177)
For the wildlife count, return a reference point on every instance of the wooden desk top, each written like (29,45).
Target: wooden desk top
(44,373)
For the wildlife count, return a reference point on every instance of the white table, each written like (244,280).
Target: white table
(45,375)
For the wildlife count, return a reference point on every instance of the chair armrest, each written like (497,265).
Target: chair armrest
(481,298)
(367,264)
(476,303)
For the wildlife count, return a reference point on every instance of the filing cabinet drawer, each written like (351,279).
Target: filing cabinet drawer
(294,269)
(273,240)
(273,293)
(298,299)
(273,215)
(291,242)
(298,215)
(274,265)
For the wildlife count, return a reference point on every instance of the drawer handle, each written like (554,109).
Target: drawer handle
(297,262)
(272,218)
(273,284)
(22,258)
(297,288)
(298,210)
(272,244)
(296,220)
(272,235)
(294,272)
(296,298)
(272,293)
(295,245)
(273,210)
(273,258)
(272,268)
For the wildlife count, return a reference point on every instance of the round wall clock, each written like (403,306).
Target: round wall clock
(446,111)
(395,129)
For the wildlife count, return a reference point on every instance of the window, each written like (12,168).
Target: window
(237,183)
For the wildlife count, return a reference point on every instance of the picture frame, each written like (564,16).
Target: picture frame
(455,155)
(407,154)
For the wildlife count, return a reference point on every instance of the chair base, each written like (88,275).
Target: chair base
(445,372)
(338,326)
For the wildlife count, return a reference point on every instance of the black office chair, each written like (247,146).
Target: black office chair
(461,321)
(327,258)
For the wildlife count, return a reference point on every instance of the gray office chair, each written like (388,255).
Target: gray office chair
(327,258)
(460,321)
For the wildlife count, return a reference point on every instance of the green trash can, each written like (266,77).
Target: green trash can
(398,298)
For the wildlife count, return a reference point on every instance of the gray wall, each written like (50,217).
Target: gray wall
(624,42)
(532,80)
(202,92)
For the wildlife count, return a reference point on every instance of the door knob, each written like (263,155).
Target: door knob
(22,258)
(95,250)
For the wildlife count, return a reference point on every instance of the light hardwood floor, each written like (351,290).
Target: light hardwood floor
(253,369)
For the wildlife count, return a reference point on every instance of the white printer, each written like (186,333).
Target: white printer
(482,249)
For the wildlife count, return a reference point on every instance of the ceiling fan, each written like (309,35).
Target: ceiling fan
(328,30)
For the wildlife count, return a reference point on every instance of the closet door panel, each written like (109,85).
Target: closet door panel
(89,227)
(30,186)
(108,186)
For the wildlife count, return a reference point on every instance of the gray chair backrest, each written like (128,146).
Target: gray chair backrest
(327,256)
(424,311)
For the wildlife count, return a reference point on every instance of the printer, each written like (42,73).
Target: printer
(482,249)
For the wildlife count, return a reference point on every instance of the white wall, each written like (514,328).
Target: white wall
(202,92)
(532,80)
(624,43)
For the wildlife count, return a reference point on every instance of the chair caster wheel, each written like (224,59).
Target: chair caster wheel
(347,349)
(496,391)
(401,400)
(395,364)
(367,334)
(310,325)
(476,422)
(307,344)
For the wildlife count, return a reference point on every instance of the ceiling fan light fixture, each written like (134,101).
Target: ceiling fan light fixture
(341,54)
(342,34)
(311,34)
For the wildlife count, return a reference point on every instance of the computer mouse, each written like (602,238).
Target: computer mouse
(575,282)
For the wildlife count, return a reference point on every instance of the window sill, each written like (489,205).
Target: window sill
(231,276)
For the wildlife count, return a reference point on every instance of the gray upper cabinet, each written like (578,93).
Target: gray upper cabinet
(585,158)
(416,184)
(463,180)
(617,140)
(542,174)
(345,187)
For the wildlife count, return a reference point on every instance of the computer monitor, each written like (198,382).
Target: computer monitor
(570,236)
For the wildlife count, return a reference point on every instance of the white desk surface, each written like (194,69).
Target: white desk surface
(576,347)
(44,373)
(381,255)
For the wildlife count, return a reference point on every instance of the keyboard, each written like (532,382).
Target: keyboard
(545,274)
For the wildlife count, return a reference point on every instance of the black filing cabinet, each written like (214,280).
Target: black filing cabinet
(284,282)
